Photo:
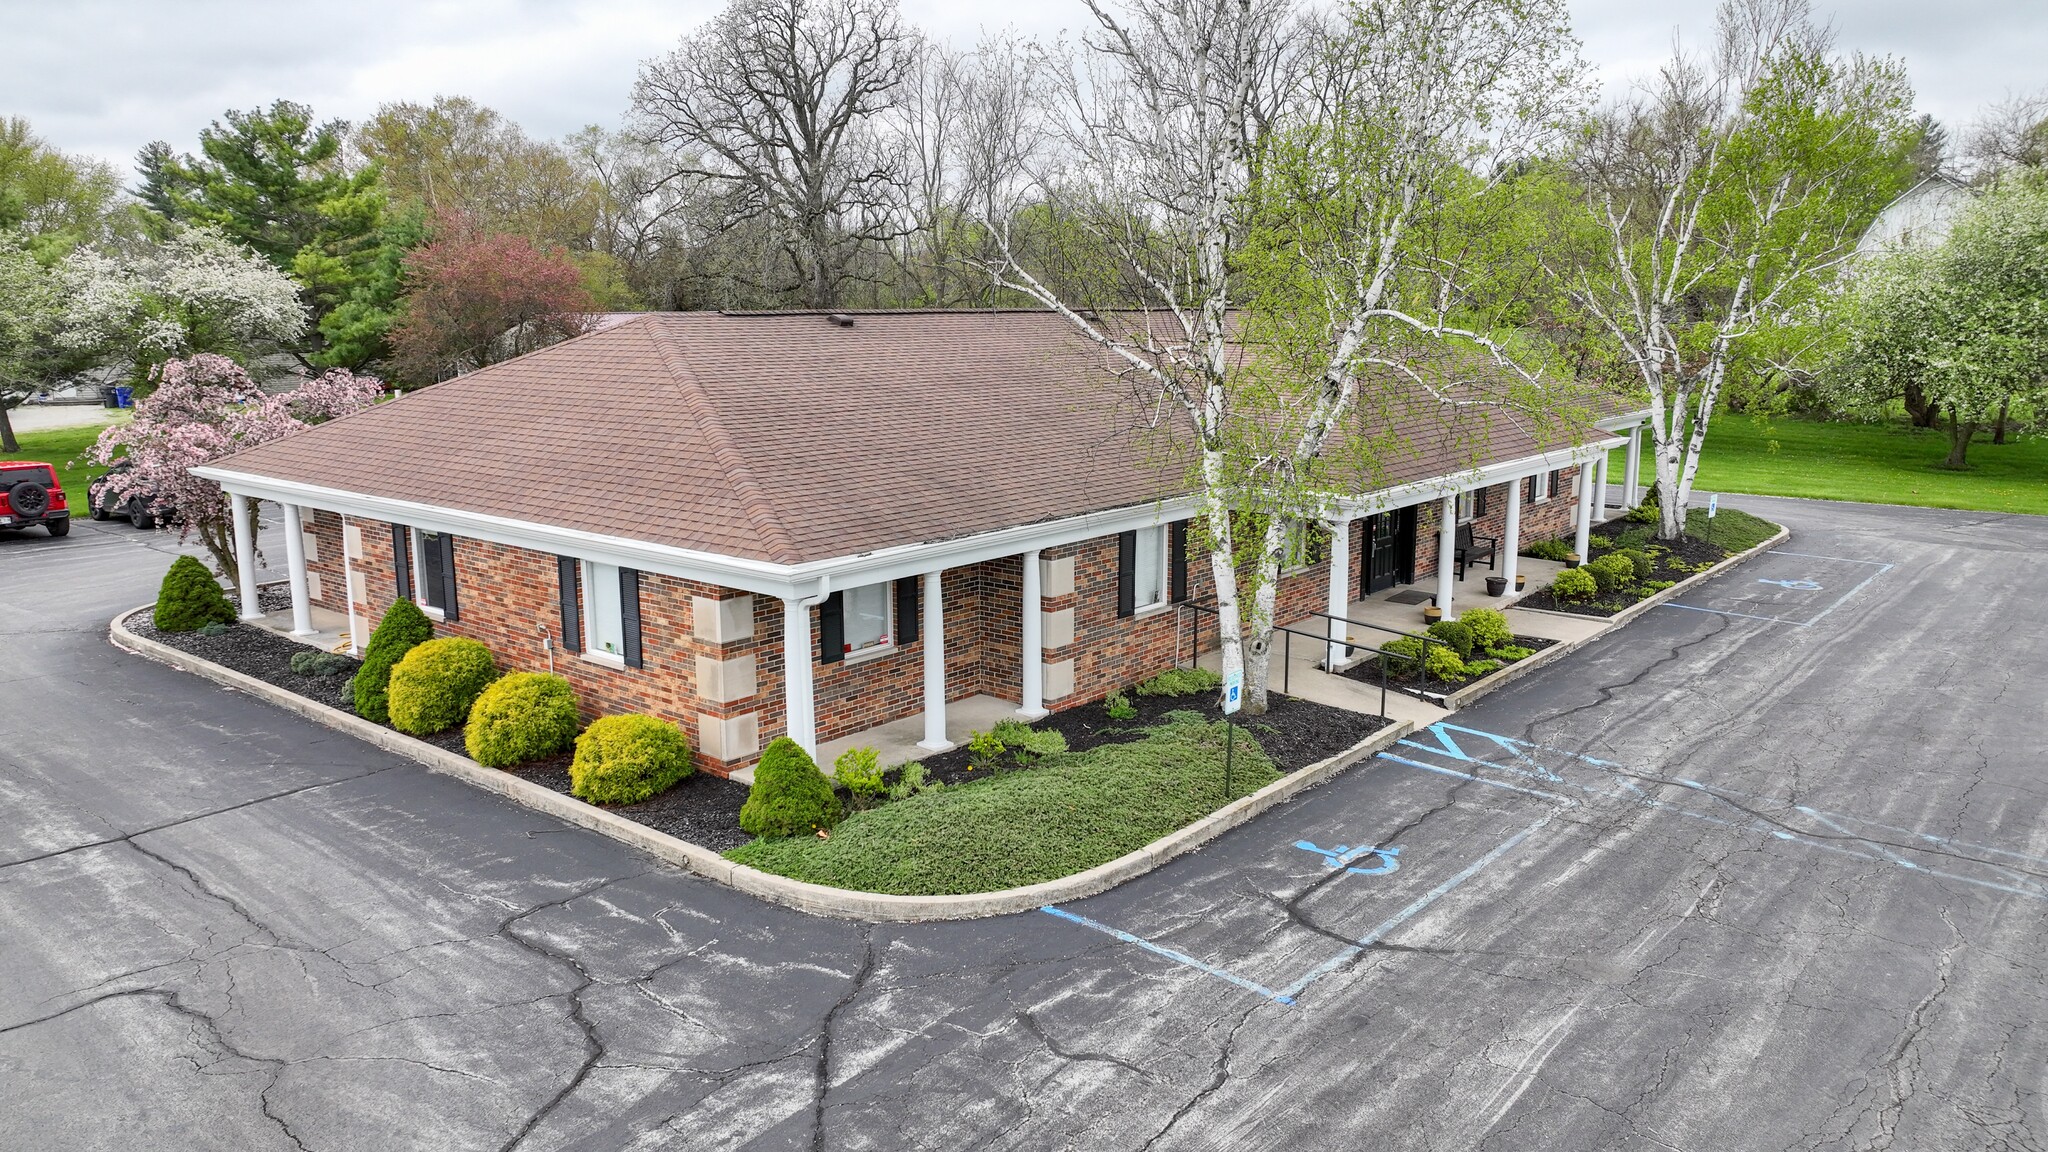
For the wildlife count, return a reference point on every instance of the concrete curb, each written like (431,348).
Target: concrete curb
(813,898)
(1512,672)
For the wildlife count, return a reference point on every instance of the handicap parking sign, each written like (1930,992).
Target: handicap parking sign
(1233,692)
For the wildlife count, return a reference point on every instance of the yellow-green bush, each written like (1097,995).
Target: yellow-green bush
(435,685)
(1573,584)
(1489,627)
(521,717)
(627,759)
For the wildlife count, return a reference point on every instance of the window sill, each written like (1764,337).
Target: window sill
(604,659)
(1152,610)
(432,613)
(867,655)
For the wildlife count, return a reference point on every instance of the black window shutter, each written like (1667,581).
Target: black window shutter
(629,613)
(1177,561)
(572,616)
(401,559)
(1557,482)
(1529,490)
(1127,574)
(831,630)
(907,618)
(448,611)
(1479,504)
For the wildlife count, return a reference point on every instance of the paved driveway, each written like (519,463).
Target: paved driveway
(1765,872)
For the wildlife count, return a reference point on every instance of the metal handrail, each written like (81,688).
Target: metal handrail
(1287,647)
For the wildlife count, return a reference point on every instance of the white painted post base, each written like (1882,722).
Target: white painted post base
(934,666)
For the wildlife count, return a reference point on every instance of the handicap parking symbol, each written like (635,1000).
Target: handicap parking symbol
(1795,585)
(1343,854)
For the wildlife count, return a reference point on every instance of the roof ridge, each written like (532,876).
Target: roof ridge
(752,499)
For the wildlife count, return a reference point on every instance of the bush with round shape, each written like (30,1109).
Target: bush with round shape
(1455,634)
(190,599)
(1489,627)
(630,758)
(436,684)
(1443,663)
(1402,656)
(1640,560)
(1612,573)
(790,797)
(1573,584)
(403,628)
(521,717)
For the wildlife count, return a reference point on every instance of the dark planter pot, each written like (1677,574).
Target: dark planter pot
(1497,585)
(1521,581)
(1431,614)
(1571,560)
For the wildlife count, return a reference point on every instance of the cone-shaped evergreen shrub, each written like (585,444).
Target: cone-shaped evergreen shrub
(790,797)
(522,717)
(190,599)
(401,629)
(436,684)
(627,759)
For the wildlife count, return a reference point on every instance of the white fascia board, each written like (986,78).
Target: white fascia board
(1625,421)
(1438,487)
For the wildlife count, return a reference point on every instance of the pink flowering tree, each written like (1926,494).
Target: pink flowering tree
(205,408)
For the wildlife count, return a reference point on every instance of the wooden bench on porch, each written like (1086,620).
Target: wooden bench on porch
(1472,548)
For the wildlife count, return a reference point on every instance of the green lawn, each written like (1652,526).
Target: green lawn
(1874,463)
(64,449)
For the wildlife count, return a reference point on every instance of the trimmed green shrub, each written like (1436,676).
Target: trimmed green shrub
(1612,573)
(1454,633)
(1650,511)
(1119,706)
(630,758)
(435,685)
(321,664)
(1640,560)
(1443,663)
(1402,656)
(859,770)
(1556,550)
(1574,584)
(190,598)
(985,750)
(1478,668)
(521,717)
(910,780)
(1026,744)
(790,797)
(1509,653)
(1489,627)
(1182,682)
(402,628)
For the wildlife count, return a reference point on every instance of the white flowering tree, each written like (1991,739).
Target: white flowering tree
(195,292)
(31,316)
(204,408)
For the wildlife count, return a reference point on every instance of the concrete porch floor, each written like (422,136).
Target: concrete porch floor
(896,741)
(330,628)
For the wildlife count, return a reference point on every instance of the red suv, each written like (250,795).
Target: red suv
(30,495)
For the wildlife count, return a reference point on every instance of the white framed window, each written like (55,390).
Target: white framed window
(1468,507)
(1307,546)
(604,620)
(868,618)
(1543,486)
(430,576)
(1148,570)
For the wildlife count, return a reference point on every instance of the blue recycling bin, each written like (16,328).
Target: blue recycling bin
(124,396)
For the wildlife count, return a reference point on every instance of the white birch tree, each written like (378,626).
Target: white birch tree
(1722,194)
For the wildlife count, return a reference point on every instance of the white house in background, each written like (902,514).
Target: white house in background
(1920,218)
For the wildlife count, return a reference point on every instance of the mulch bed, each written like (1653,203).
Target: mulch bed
(1294,732)
(703,809)
(1691,551)
(1368,671)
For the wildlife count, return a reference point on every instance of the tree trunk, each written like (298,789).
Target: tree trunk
(7,441)
(1959,433)
(1998,429)
(1924,412)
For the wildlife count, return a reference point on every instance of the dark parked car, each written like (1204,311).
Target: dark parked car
(30,495)
(135,506)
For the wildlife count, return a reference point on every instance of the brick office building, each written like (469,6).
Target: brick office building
(813,525)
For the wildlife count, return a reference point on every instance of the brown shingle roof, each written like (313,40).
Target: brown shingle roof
(786,438)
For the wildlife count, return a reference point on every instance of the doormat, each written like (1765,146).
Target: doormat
(1410,596)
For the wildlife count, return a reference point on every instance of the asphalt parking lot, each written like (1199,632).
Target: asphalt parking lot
(1764,869)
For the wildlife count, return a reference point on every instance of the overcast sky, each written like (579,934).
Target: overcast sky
(107,76)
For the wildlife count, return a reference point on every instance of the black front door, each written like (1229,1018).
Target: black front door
(1389,548)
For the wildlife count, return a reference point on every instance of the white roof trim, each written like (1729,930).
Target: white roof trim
(814,578)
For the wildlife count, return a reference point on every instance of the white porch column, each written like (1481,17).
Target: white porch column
(1585,519)
(934,637)
(1511,534)
(1600,488)
(1340,592)
(799,698)
(1446,549)
(295,560)
(1632,469)
(245,555)
(1034,639)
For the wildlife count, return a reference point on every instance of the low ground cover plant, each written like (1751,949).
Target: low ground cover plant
(1556,550)
(1182,682)
(790,797)
(629,758)
(434,686)
(321,664)
(402,629)
(521,718)
(1074,811)
(190,598)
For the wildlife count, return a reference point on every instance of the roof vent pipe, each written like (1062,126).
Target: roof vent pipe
(841,319)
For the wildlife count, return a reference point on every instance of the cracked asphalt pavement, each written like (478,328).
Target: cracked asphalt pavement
(1713,882)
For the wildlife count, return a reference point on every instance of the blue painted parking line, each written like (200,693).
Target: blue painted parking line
(1174,955)
(1802,584)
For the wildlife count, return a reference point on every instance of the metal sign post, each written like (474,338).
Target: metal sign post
(1713,506)
(1233,699)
